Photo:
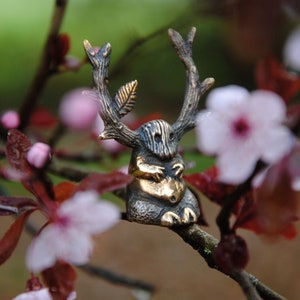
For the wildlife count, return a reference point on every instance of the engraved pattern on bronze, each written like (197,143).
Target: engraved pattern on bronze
(157,195)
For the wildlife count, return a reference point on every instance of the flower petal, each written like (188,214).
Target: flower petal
(76,247)
(224,99)
(41,253)
(42,294)
(266,106)
(88,214)
(210,132)
(291,50)
(275,144)
(235,166)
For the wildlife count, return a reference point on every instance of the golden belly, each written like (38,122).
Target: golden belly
(167,189)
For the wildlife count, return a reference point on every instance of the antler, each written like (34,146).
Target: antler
(194,88)
(112,110)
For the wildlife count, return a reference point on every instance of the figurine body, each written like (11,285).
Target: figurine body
(158,194)
(157,169)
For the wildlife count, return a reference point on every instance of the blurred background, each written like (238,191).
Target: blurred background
(232,35)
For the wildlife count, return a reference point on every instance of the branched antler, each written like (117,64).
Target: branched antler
(112,110)
(194,88)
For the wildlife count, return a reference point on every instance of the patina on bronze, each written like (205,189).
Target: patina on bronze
(157,195)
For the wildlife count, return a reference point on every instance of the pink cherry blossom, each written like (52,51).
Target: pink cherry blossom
(39,155)
(42,294)
(291,50)
(72,63)
(79,109)
(10,119)
(241,127)
(68,237)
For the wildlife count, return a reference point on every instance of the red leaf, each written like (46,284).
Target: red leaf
(10,239)
(60,280)
(271,75)
(17,147)
(42,117)
(64,190)
(231,253)
(14,205)
(206,182)
(104,182)
(273,211)
(60,49)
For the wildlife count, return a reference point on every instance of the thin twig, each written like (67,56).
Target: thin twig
(116,278)
(68,173)
(43,70)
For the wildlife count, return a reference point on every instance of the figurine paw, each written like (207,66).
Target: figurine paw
(169,219)
(188,216)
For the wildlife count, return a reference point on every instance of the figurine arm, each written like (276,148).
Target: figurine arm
(178,166)
(148,171)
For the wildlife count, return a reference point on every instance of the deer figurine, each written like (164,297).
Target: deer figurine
(157,194)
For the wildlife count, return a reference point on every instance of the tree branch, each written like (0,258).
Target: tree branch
(116,278)
(205,244)
(43,70)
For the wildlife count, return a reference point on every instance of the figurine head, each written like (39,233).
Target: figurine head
(159,138)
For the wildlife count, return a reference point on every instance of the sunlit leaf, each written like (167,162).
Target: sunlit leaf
(64,190)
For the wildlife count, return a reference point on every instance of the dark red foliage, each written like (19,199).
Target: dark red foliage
(15,205)
(17,147)
(61,47)
(42,118)
(273,209)
(64,190)
(104,182)
(60,280)
(231,253)
(271,75)
(33,284)
(207,183)
(11,238)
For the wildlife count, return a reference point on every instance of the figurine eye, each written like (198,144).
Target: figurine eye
(171,136)
(157,137)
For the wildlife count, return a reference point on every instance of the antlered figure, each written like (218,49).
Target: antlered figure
(157,195)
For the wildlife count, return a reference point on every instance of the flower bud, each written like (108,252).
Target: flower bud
(39,155)
(10,119)
(78,109)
